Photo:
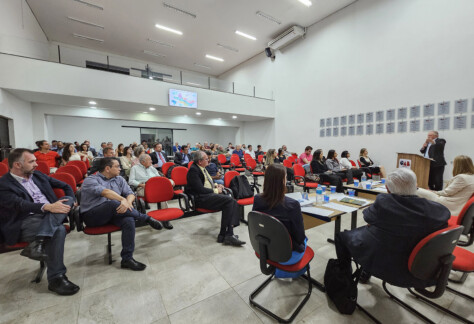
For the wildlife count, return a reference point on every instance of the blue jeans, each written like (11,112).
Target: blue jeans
(295,257)
(48,225)
(106,213)
(219,181)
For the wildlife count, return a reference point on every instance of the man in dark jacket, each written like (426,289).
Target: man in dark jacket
(208,195)
(31,212)
(158,157)
(397,221)
(433,148)
(183,158)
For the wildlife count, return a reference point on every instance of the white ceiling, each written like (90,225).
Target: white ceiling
(128,24)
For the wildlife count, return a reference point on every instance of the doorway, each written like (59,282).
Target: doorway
(158,135)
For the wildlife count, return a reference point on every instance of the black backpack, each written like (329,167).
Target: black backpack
(240,187)
(341,286)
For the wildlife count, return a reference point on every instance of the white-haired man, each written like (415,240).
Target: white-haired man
(396,222)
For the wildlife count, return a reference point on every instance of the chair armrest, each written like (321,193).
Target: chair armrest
(442,280)
(186,202)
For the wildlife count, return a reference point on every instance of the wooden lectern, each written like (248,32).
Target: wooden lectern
(418,164)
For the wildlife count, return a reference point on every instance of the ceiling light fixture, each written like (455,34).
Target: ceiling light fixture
(194,84)
(245,35)
(160,43)
(85,22)
(92,103)
(202,66)
(268,17)
(145,112)
(181,11)
(88,38)
(171,30)
(93,107)
(154,54)
(234,117)
(152,108)
(198,113)
(93,5)
(307,3)
(214,58)
(230,48)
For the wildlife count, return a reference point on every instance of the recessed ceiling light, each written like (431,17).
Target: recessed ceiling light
(160,43)
(154,53)
(171,30)
(214,58)
(307,3)
(88,38)
(145,112)
(194,84)
(93,107)
(93,5)
(150,77)
(219,118)
(152,108)
(227,47)
(181,11)
(268,17)
(245,35)
(85,22)
(198,113)
(92,103)
(202,66)
(234,117)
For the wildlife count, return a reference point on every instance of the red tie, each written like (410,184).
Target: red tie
(161,158)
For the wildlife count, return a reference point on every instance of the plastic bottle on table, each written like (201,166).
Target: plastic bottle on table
(319,196)
(363,179)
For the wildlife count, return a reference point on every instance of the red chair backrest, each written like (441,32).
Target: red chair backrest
(251,163)
(235,159)
(179,176)
(360,165)
(59,193)
(424,261)
(190,163)
(287,163)
(67,178)
(466,216)
(246,156)
(81,165)
(294,155)
(298,170)
(158,189)
(3,169)
(222,159)
(260,158)
(5,161)
(228,177)
(42,167)
(291,158)
(72,170)
(352,163)
(165,167)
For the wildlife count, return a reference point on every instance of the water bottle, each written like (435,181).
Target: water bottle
(363,179)
(319,196)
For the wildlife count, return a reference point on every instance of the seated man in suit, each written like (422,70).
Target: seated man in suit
(107,152)
(107,198)
(158,157)
(397,221)
(183,158)
(31,212)
(209,195)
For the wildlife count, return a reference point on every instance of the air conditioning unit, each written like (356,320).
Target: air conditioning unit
(286,37)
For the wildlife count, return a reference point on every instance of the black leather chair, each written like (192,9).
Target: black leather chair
(272,244)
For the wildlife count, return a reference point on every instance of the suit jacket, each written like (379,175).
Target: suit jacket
(179,157)
(195,185)
(436,152)
(395,225)
(16,204)
(155,158)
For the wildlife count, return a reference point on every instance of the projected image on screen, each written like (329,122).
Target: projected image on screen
(180,98)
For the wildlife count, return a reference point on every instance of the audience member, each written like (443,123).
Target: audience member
(183,158)
(106,198)
(110,144)
(146,148)
(213,170)
(176,147)
(120,150)
(86,152)
(285,151)
(158,157)
(433,148)
(346,163)
(101,151)
(281,155)
(208,195)
(287,210)
(69,154)
(458,190)
(397,221)
(259,151)
(126,160)
(46,155)
(366,162)
(137,152)
(319,167)
(30,212)
(305,158)
(54,145)
(250,152)
(108,152)
(91,148)
(238,150)
(333,164)
(270,157)
(60,148)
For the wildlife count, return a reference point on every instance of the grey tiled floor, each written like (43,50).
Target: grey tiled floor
(190,279)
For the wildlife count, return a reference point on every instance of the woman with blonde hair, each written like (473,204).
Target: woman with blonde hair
(458,190)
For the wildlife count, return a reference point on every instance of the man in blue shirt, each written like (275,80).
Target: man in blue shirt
(107,198)
(214,171)
(183,158)
(238,150)
(176,147)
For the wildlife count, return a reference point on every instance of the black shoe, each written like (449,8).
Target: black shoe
(132,264)
(233,240)
(220,238)
(147,206)
(167,225)
(154,223)
(364,277)
(62,286)
(35,251)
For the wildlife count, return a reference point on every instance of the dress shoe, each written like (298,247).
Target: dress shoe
(364,277)
(35,251)
(132,264)
(154,223)
(220,238)
(62,286)
(167,225)
(233,240)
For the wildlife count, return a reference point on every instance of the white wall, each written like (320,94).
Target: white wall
(259,133)
(372,55)
(20,33)
(19,111)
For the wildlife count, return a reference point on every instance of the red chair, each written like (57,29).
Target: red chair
(260,158)
(5,161)
(246,156)
(165,167)
(74,171)
(158,190)
(466,219)
(43,167)
(3,169)
(236,164)
(222,161)
(251,165)
(300,180)
(67,178)
(178,175)
(287,163)
(190,163)
(81,165)
(241,202)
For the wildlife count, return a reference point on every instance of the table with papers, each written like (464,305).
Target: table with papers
(362,192)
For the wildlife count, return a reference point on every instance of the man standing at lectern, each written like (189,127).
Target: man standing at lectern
(433,148)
